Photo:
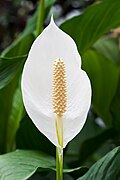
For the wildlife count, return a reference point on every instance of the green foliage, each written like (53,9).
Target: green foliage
(100,53)
(104,77)
(97,20)
(108,46)
(9,68)
(22,164)
(106,168)
(16,114)
(11,63)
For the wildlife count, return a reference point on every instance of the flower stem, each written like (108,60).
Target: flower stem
(59,130)
(59,150)
(40,19)
(59,163)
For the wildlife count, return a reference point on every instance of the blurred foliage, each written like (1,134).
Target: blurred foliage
(14,15)
(98,43)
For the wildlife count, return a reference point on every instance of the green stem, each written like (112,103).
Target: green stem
(59,150)
(59,163)
(40,20)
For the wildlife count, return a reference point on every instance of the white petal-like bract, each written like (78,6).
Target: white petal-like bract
(37,81)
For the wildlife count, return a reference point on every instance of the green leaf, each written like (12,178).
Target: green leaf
(106,168)
(20,46)
(108,46)
(96,20)
(10,71)
(9,67)
(14,118)
(6,100)
(23,164)
(104,76)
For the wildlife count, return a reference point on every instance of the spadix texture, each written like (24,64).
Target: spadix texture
(37,82)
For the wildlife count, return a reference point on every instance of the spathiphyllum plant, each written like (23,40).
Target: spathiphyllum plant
(56,91)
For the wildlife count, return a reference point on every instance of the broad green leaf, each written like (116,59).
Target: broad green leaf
(14,118)
(106,168)
(9,67)
(10,70)
(104,76)
(109,47)
(6,100)
(21,164)
(96,20)
(21,45)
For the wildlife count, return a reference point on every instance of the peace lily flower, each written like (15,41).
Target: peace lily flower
(56,91)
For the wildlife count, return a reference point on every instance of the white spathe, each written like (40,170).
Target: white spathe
(37,83)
